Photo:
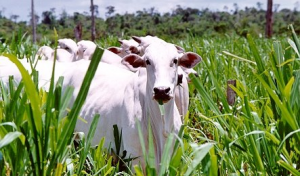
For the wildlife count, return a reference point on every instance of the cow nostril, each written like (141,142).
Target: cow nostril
(156,90)
(167,90)
(161,90)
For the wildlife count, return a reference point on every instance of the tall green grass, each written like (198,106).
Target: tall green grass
(257,135)
(36,136)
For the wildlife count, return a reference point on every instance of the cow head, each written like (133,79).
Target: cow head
(81,50)
(161,60)
(86,49)
(69,45)
(144,42)
(127,47)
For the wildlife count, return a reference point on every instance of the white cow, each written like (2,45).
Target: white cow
(136,46)
(86,49)
(7,68)
(44,53)
(182,90)
(69,45)
(161,60)
(47,53)
(111,55)
(66,51)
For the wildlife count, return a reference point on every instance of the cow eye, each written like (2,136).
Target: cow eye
(175,61)
(148,62)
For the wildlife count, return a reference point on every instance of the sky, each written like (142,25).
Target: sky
(22,7)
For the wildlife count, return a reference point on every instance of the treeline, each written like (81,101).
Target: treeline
(177,23)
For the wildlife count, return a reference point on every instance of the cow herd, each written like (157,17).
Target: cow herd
(131,86)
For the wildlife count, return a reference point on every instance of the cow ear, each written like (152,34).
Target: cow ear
(189,71)
(179,49)
(133,62)
(120,41)
(115,50)
(189,60)
(59,42)
(137,39)
(134,50)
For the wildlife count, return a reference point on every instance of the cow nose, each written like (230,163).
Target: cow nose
(167,90)
(162,94)
(161,90)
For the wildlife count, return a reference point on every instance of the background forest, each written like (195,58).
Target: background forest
(176,23)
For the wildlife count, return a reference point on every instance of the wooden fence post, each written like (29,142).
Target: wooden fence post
(230,92)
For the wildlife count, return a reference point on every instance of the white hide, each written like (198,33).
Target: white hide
(182,94)
(7,68)
(182,90)
(70,46)
(64,53)
(113,95)
(137,46)
(86,49)
(44,53)
(161,60)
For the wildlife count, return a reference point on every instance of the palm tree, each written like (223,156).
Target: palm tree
(33,22)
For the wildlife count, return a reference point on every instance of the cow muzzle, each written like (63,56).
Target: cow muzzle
(162,94)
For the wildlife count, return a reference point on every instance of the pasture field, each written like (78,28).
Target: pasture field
(256,135)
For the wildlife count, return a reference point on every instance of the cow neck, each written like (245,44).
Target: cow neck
(162,124)
(74,57)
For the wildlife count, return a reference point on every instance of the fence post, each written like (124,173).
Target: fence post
(230,92)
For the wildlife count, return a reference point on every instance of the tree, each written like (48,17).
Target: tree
(33,22)
(14,18)
(48,18)
(259,5)
(93,21)
(269,19)
(96,11)
(236,8)
(110,11)
(63,18)
(276,7)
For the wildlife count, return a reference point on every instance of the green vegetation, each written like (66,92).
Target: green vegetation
(257,135)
